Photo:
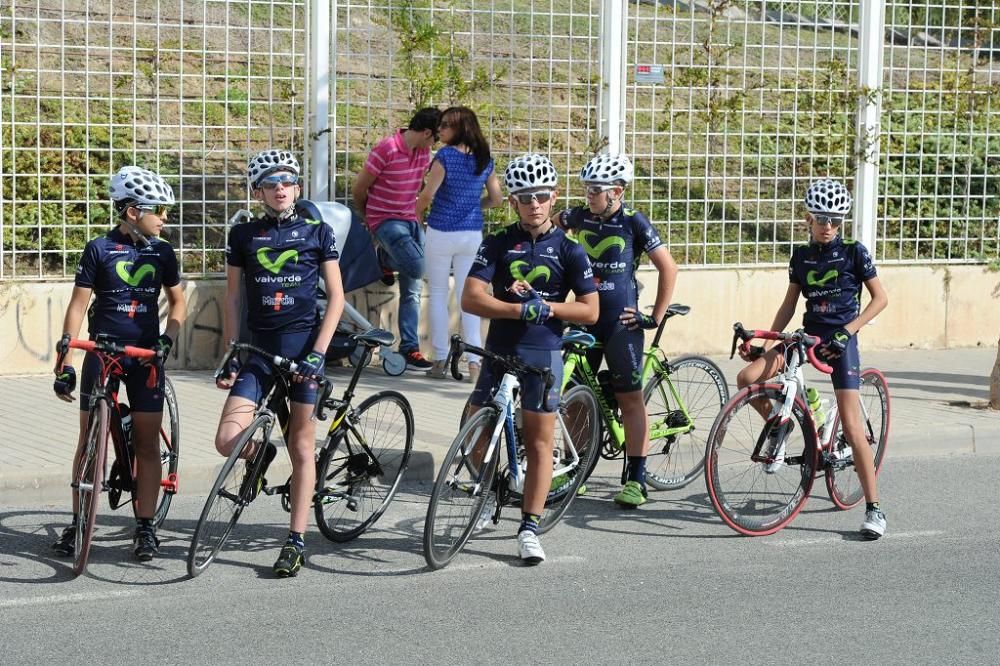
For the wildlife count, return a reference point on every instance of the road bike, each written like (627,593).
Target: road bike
(766,448)
(359,466)
(105,418)
(682,399)
(473,485)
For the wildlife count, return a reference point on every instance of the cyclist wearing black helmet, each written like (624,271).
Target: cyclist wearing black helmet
(830,272)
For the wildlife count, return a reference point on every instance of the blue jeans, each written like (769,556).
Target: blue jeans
(403,242)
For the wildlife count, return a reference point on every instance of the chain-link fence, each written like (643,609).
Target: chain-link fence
(184,88)
(732,106)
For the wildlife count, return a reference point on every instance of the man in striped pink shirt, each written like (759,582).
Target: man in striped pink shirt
(386,190)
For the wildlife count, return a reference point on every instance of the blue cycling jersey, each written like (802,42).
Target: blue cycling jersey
(126,282)
(553,264)
(281,262)
(615,247)
(831,277)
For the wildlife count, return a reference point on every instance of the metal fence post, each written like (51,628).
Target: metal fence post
(318,121)
(871,43)
(611,104)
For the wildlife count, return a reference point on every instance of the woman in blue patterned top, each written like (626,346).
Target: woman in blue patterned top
(455,184)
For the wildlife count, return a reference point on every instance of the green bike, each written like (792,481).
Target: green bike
(682,399)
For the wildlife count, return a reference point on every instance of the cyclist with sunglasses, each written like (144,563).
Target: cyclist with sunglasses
(615,237)
(829,272)
(124,271)
(280,257)
(532,267)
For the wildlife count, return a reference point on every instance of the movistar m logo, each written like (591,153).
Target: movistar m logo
(596,251)
(133,279)
(814,282)
(275,266)
(517,272)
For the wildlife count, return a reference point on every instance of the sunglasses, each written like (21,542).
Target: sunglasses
(444,125)
(527,197)
(597,189)
(271,182)
(159,211)
(828,219)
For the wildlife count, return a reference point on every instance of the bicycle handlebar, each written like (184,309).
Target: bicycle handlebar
(458,347)
(103,346)
(805,344)
(284,364)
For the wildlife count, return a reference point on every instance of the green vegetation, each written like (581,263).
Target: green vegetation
(748,114)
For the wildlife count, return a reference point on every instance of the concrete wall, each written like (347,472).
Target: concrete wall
(929,308)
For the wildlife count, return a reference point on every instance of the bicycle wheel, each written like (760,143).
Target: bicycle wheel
(841,478)
(676,460)
(749,497)
(360,470)
(170,432)
(577,429)
(230,494)
(463,486)
(89,482)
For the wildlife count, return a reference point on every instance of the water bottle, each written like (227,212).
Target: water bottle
(817,406)
(126,416)
(604,381)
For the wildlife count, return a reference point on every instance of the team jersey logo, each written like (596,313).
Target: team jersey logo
(814,281)
(517,272)
(598,250)
(133,279)
(275,266)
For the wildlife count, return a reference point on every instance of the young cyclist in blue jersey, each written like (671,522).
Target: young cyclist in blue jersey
(124,271)
(830,272)
(531,266)
(280,257)
(615,238)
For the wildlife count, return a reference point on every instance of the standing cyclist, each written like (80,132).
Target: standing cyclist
(615,237)
(532,266)
(280,257)
(829,272)
(124,270)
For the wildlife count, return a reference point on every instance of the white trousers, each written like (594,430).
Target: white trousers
(444,250)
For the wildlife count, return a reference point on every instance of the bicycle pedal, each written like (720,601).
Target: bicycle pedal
(169,484)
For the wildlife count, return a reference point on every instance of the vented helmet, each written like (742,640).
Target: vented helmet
(529,171)
(828,197)
(607,169)
(269,161)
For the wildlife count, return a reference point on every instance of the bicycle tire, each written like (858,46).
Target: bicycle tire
(228,497)
(676,461)
(747,498)
(170,433)
(580,416)
(368,471)
(455,503)
(88,483)
(841,478)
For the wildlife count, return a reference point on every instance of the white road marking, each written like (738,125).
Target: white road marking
(891,536)
(505,564)
(66,598)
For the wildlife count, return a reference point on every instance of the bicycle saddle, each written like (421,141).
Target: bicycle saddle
(678,309)
(375,337)
(577,337)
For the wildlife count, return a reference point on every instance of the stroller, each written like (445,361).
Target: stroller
(358,267)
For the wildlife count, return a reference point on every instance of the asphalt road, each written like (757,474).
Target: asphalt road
(668,583)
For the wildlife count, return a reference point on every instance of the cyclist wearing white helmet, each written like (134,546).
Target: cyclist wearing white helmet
(125,270)
(615,237)
(279,258)
(829,272)
(531,266)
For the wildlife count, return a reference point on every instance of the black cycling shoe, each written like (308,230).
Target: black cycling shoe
(289,561)
(251,492)
(66,544)
(145,544)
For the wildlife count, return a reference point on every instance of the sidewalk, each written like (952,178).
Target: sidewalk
(931,393)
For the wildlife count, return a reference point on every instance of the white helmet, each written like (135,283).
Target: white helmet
(529,171)
(135,185)
(607,169)
(828,197)
(269,161)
